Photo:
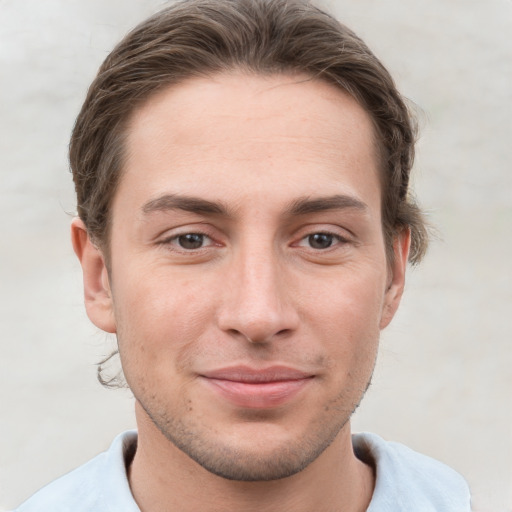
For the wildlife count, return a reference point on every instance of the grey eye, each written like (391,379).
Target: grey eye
(320,240)
(191,241)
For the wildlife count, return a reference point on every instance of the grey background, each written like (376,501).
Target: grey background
(443,384)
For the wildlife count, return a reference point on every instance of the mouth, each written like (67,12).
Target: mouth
(257,388)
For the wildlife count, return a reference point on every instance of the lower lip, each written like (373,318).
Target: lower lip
(260,395)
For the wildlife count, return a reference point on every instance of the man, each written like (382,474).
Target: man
(242,169)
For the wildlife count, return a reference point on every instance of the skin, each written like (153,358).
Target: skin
(287,267)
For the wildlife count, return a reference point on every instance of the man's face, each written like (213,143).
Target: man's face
(249,279)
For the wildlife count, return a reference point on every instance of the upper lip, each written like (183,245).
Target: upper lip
(255,375)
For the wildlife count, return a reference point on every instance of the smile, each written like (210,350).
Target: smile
(257,389)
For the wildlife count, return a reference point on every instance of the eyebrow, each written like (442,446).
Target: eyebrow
(301,206)
(186,203)
(308,205)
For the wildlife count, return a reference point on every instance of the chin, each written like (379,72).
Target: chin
(254,452)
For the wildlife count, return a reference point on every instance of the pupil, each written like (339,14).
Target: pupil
(320,240)
(191,241)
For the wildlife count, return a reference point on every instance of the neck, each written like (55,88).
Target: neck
(164,479)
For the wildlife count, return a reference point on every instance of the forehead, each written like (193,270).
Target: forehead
(214,134)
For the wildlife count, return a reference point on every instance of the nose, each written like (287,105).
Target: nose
(258,303)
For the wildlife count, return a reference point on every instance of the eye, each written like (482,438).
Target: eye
(191,241)
(321,241)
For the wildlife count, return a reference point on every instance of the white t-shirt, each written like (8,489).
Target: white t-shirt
(406,481)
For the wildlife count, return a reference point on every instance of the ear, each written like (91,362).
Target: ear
(97,292)
(396,277)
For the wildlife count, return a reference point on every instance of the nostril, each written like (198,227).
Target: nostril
(258,338)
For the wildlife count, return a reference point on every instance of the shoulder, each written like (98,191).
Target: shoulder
(407,480)
(99,485)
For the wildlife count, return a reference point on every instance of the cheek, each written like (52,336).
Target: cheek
(158,320)
(351,298)
(348,314)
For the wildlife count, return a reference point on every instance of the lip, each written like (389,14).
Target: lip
(257,388)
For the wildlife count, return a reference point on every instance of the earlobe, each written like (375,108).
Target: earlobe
(396,281)
(97,292)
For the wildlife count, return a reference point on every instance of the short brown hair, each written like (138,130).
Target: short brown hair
(198,38)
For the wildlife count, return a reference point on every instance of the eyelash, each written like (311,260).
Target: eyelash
(335,240)
(174,241)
